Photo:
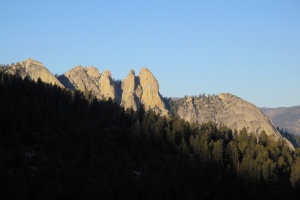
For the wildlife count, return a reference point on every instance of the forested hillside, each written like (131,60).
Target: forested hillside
(55,143)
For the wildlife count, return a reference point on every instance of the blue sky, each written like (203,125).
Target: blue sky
(248,48)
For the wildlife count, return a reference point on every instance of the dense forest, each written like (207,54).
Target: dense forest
(62,144)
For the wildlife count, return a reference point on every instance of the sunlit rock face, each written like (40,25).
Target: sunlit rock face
(224,109)
(82,79)
(33,69)
(227,110)
(131,93)
(150,92)
(89,79)
(107,86)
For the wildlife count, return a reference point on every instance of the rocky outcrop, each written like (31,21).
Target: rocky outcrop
(34,70)
(228,110)
(89,79)
(84,79)
(107,86)
(142,89)
(150,88)
(133,91)
(15,70)
(130,93)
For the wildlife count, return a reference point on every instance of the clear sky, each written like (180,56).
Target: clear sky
(248,48)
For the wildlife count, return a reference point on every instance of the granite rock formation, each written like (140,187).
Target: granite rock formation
(132,92)
(150,96)
(33,69)
(227,110)
(89,79)
(82,79)
(107,86)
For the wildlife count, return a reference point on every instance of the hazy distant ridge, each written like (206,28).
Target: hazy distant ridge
(287,118)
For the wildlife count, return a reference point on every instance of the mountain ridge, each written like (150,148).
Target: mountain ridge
(33,69)
(226,109)
(134,91)
(85,148)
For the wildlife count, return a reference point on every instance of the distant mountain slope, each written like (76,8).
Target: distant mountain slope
(285,118)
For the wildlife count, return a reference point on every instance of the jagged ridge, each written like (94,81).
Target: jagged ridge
(133,91)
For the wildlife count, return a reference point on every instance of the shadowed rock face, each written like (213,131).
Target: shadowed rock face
(228,110)
(34,70)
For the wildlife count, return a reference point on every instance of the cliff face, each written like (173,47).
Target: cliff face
(131,93)
(150,96)
(89,79)
(82,79)
(107,86)
(34,70)
(228,110)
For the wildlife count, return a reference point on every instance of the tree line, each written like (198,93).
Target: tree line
(56,143)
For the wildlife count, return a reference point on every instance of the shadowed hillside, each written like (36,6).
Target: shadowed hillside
(55,143)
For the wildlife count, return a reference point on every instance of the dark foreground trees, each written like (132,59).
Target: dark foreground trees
(58,144)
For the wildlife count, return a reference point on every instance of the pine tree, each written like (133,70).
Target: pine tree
(295,174)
